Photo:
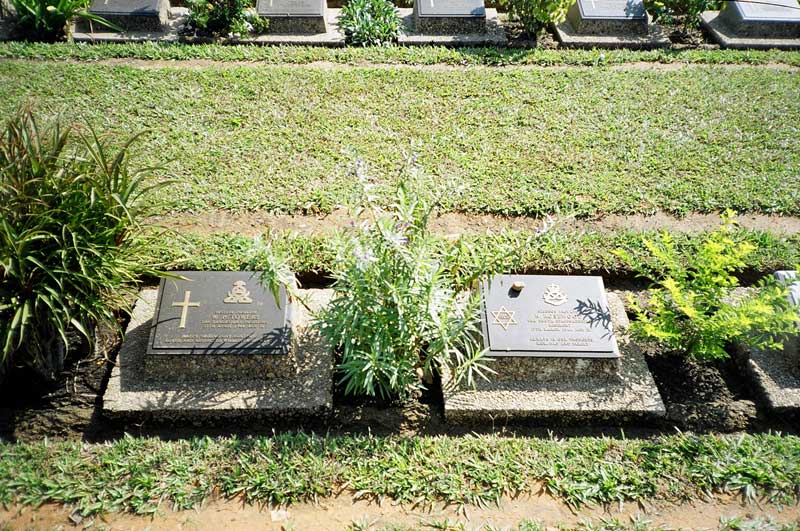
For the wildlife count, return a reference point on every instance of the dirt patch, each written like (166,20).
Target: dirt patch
(259,222)
(147,64)
(70,408)
(703,395)
(338,513)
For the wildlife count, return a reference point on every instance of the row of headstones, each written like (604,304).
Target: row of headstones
(752,18)
(555,341)
(302,17)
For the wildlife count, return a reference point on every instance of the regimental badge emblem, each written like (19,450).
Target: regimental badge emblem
(504,317)
(238,294)
(554,295)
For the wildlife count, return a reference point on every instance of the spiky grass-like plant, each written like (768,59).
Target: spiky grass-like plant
(71,246)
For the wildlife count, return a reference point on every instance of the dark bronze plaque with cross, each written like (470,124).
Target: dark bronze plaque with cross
(219,313)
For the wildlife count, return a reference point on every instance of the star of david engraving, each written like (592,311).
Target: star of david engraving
(504,317)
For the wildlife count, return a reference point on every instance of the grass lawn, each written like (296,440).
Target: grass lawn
(412,55)
(136,474)
(522,141)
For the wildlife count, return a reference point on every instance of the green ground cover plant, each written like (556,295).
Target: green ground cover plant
(535,15)
(71,249)
(584,141)
(370,22)
(224,17)
(416,55)
(558,251)
(473,469)
(692,309)
(684,12)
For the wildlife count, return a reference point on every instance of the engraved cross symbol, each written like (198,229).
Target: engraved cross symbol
(185,305)
(504,317)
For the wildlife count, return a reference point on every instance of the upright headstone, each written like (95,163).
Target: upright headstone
(131,15)
(762,19)
(294,16)
(608,17)
(553,348)
(449,17)
(791,279)
(792,345)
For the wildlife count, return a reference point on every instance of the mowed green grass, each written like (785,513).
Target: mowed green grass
(521,141)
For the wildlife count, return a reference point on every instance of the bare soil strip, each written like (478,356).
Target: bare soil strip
(340,512)
(257,223)
(328,65)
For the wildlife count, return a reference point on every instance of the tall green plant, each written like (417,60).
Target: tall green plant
(223,17)
(397,316)
(71,246)
(692,309)
(48,20)
(535,15)
(683,12)
(370,22)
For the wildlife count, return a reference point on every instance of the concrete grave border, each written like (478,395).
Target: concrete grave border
(726,38)
(310,392)
(774,374)
(656,38)
(177,15)
(495,34)
(631,395)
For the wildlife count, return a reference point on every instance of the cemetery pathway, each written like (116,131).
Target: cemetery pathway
(256,223)
(341,512)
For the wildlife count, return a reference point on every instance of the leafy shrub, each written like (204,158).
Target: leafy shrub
(682,12)
(71,246)
(396,315)
(691,308)
(224,17)
(535,15)
(370,22)
(47,20)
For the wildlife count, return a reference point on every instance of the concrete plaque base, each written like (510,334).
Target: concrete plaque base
(727,37)
(488,33)
(775,374)
(599,397)
(309,391)
(568,36)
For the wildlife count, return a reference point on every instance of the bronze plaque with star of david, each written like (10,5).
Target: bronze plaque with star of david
(547,316)
(218,313)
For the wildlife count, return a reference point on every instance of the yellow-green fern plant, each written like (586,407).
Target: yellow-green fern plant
(692,308)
